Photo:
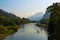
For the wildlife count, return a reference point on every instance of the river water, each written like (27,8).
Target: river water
(28,32)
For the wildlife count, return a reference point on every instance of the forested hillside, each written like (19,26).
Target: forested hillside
(9,23)
(54,23)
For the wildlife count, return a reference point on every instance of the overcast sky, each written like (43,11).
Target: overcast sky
(25,8)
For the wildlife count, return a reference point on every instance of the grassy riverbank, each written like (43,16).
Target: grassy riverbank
(7,30)
(44,26)
(9,23)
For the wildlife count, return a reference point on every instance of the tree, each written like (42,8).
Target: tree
(54,23)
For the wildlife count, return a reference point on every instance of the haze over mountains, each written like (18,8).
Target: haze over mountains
(37,16)
(46,15)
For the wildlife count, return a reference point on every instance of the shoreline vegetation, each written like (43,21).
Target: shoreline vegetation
(8,30)
(53,23)
(44,26)
(10,23)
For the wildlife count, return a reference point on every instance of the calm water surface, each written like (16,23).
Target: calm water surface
(28,32)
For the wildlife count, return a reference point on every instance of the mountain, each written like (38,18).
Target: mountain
(36,17)
(46,15)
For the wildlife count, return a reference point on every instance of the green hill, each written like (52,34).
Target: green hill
(9,23)
(54,23)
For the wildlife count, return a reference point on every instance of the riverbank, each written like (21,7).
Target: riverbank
(28,32)
(9,23)
(44,26)
(7,30)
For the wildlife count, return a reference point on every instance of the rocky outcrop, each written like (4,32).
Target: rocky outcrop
(46,15)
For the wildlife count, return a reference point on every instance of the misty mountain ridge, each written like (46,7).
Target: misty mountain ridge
(36,17)
(46,15)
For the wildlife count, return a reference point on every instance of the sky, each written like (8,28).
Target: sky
(25,8)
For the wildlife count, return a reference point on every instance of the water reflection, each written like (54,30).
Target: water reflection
(28,32)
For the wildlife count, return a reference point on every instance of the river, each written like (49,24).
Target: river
(28,32)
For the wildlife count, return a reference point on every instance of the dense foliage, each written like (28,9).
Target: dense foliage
(54,23)
(9,23)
